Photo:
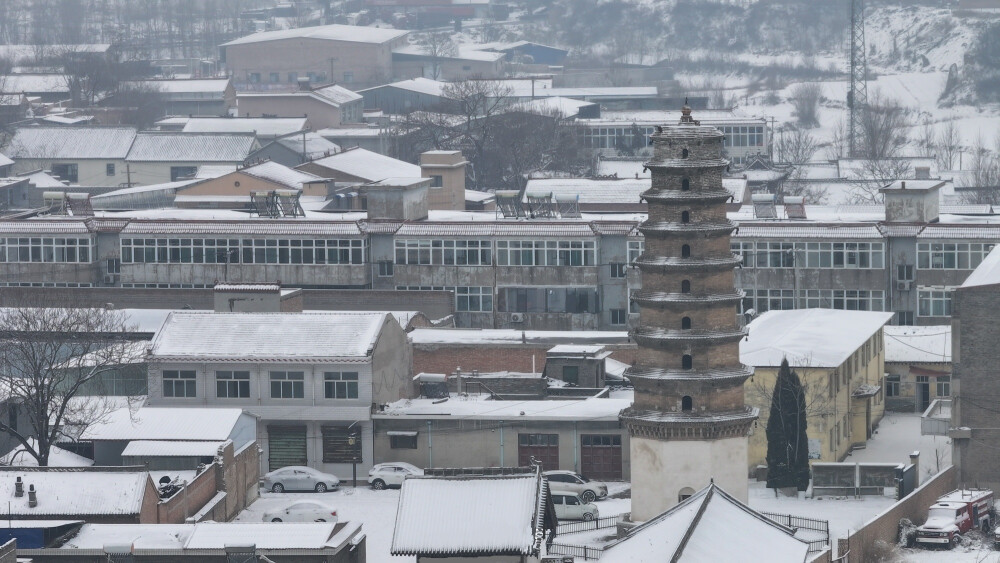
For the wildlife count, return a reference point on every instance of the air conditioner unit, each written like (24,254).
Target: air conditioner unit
(109,280)
(517,317)
(902,286)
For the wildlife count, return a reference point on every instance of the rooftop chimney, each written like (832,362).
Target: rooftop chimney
(32,497)
(18,488)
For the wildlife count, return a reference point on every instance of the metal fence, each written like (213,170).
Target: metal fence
(801,522)
(606,522)
(476,471)
(583,551)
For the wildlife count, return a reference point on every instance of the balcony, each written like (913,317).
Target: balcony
(936,419)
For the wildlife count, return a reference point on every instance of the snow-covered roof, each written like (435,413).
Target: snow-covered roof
(350,33)
(76,493)
(154,423)
(987,273)
(597,409)
(808,337)
(171,448)
(462,53)
(141,536)
(923,344)
(42,179)
(111,143)
(280,174)
(472,515)
(260,126)
(157,146)
(315,146)
(35,83)
(58,457)
(709,526)
(575,350)
(4,161)
(186,86)
(419,85)
(565,107)
(216,535)
(512,336)
(368,165)
(209,336)
(337,94)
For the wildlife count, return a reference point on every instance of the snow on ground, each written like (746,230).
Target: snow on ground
(976,550)
(376,510)
(899,434)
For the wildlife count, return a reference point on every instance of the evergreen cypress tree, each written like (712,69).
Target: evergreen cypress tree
(787,443)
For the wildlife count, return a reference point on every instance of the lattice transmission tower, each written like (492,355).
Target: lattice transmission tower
(857,97)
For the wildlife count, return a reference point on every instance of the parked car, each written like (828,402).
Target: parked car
(569,506)
(299,478)
(954,514)
(588,490)
(303,511)
(384,475)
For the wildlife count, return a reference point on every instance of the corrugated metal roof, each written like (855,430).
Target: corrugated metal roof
(152,146)
(76,493)
(176,423)
(280,174)
(261,227)
(48,143)
(208,336)
(381,227)
(453,516)
(369,165)
(333,32)
(609,228)
(890,230)
(261,126)
(263,535)
(805,230)
(171,448)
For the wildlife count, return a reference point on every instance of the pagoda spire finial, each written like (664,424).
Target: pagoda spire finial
(686,118)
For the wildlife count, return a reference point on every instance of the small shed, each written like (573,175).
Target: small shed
(582,366)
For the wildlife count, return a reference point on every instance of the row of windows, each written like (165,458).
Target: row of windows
(444,252)
(546,253)
(547,300)
(785,299)
(167,285)
(75,250)
(474,299)
(245,251)
(636,136)
(950,255)
(811,254)
(934,302)
(283,384)
(44,284)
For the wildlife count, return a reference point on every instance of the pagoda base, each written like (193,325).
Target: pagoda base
(663,470)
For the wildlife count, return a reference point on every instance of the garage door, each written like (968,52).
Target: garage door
(601,456)
(286,445)
(542,447)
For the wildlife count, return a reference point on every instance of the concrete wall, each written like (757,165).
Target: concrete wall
(321,115)
(89,172)
(661,469)
(392,359)
(149,173)
(491,357)
(487,443)
(235,474)
(870,542)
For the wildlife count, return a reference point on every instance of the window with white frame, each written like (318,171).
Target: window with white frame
(246,251)
(619,316)
(232,384)
(635,250)
(340,384)
(943,385)
(892,385)
(844,299)
(444,252)
(46,249)
(618,269)
(951,255)
(179,383)
(287,384)
(934,301)
(849,255)
(546,253)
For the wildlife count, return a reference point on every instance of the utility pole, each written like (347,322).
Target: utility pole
(857,97)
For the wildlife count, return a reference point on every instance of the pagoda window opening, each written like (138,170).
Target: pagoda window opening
(686,251)
(686,361)
(686,403)
(686,286)
(686,323)
(685,184)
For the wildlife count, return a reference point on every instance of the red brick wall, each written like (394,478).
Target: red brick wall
(446,358)
(190,499)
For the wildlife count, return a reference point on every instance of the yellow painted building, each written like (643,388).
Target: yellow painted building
(839,357)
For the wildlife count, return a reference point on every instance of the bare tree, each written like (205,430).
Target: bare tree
(838,147)
(49,356)
(947,145)
(874,174)
(439,46)
(885,127)
(981,183)
(795,146)
(805,98)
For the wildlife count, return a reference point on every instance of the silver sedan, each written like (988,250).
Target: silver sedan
(299,478)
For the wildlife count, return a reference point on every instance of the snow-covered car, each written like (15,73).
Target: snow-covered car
(588,490)
(569,506)
(302,511)
(300,478)
(384,475)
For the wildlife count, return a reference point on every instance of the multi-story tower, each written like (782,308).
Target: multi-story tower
(688,422)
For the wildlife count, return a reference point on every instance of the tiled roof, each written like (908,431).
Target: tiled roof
(44,226)
(152,146)
(249,227)
(513,229)
(472,515)
(49,143)
(381,227)
(76,493)
(991,233)
(174,423)
(261,126)
(806,230)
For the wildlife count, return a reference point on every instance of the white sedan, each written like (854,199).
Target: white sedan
(304,511)
(300,478)
(588,490)
(384,475)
